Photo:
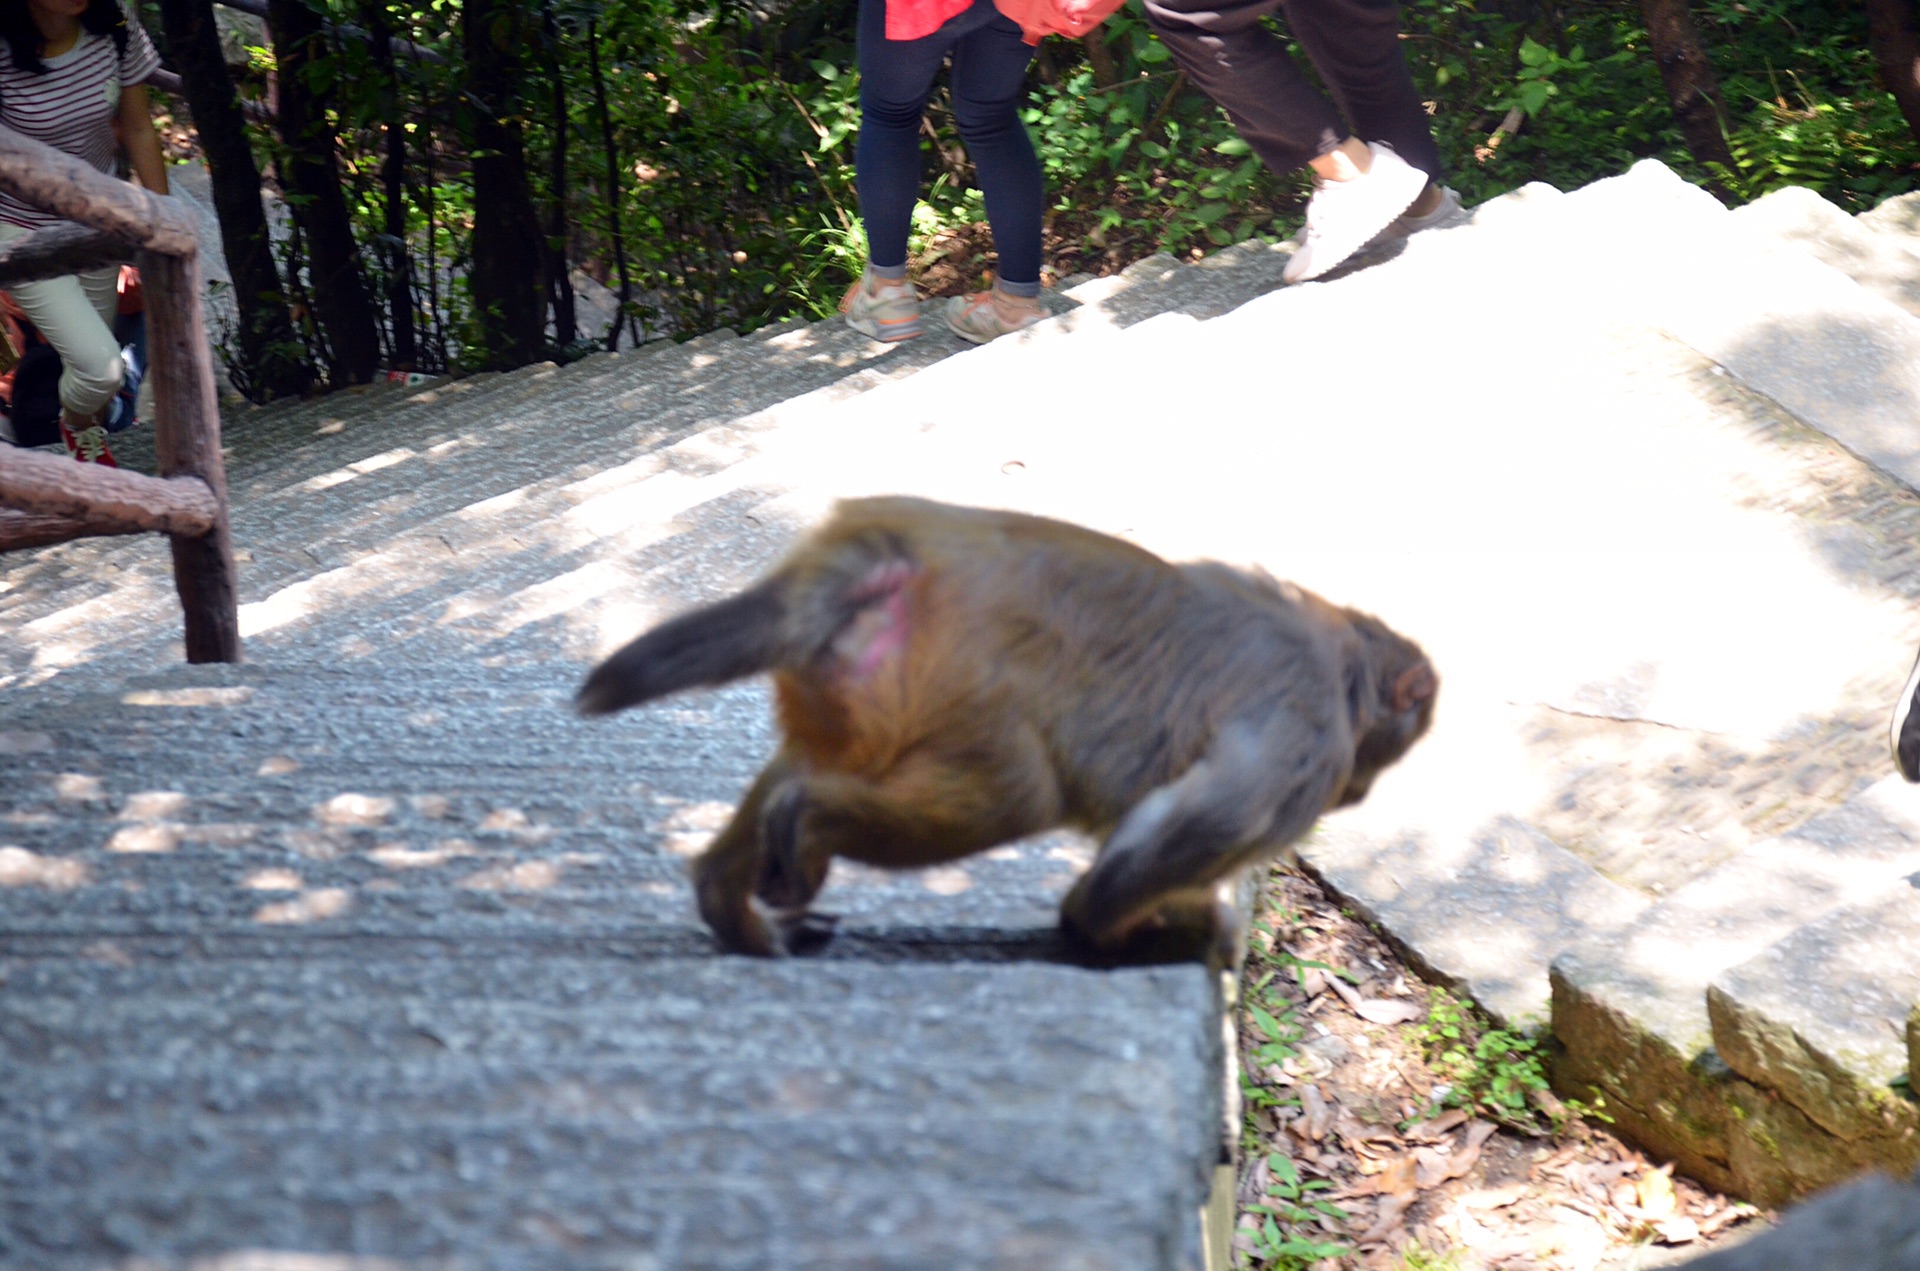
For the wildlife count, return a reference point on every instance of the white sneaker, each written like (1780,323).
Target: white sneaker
(1344,216)
(1406,223)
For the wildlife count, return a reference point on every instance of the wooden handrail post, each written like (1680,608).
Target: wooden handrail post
(186,425)
(186,435)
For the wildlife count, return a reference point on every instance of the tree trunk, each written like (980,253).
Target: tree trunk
(393,171)
(509,264)
(1692,90)
(271,360)
(1896,47)
(311,176)
(622,316)
(565,328)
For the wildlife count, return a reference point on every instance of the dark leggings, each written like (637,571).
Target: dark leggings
(1354,44)
(989,85)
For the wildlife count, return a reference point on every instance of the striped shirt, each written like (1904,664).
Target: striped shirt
(71,107)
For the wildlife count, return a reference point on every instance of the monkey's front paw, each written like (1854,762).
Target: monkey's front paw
(804,931)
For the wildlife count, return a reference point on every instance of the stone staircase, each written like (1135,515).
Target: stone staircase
(369,948)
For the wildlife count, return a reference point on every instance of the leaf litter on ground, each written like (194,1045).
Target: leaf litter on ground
(1357,1154)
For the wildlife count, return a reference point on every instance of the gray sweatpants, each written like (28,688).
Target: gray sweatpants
(74,313)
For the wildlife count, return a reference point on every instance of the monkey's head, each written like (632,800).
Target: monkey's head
(1391,689)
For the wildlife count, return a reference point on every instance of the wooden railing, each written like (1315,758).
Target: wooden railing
(50,499)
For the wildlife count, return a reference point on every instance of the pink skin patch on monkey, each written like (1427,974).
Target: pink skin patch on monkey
(878,632)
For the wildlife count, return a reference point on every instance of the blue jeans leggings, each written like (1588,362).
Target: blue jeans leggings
(989,85)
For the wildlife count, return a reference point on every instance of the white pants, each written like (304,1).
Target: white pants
(74,313)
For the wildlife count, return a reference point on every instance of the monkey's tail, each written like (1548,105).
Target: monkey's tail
(737,637)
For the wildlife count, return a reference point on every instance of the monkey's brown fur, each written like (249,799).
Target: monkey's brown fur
(951,678)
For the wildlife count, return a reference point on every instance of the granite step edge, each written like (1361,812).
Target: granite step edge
(1821,1017)
(1838,357)
(1799,218)
(1631,1014)
(1485,913)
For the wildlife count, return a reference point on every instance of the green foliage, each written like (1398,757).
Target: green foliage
(1288,1207)
(1145,157)
(1587,94)
(1804,103)
(1492,1072)
(1417,1257)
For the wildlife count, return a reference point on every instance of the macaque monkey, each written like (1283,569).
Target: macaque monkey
(949,678)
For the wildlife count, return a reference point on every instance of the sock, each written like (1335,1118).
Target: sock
(1019,290)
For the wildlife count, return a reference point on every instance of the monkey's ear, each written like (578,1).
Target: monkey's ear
(1416,684)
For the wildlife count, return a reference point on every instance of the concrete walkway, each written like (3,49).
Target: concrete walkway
(369,948)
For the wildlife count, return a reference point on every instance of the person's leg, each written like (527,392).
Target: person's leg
(896,77)
(1228,52)
(989,86)
(67,312)
(1355,45)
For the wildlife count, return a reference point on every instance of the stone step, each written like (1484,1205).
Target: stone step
(606,1010)
(339,459)
(1821,1017)
(1798,217)
(309,507)
(1486,915)
(1835,355)
(604,1112)
(1898,218)
(422,801)
(1631,1008)
(288,530)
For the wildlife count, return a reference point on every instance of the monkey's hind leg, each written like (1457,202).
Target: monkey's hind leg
(726,873)
(1150,895)
(927,809)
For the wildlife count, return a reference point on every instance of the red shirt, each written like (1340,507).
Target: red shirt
(913,19)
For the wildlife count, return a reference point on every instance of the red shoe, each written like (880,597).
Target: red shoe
(89,445)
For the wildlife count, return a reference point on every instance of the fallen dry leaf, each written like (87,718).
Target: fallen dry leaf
(1344,992)
(1678,1231)
(1430,1168)
(1353,1131)
(1655,1190)
(1463,1160)
(1559,1161)
(1494,1197)
(1399,1178)
(1493,1246)
(1318,1112)
(1433,1131)
(1387,1218)
(1379,1010)
(1722,1218)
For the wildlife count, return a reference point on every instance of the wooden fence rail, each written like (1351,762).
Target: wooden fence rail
(44,499)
